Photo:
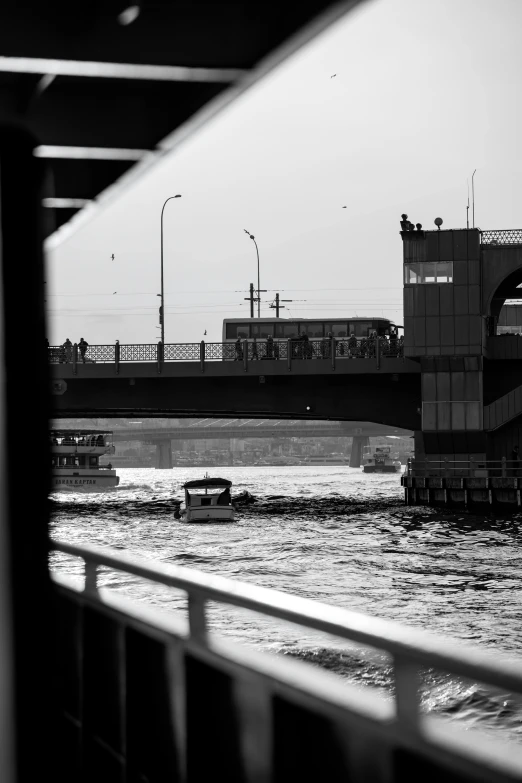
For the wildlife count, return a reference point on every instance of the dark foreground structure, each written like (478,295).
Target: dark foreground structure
(93,687)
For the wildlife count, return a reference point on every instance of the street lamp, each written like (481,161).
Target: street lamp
(252,237)
(162,295)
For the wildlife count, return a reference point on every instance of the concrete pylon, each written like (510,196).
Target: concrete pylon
(358,443)
(163,455)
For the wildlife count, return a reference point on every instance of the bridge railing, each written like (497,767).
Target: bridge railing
(251,350)
(512,236)
(148,694)
(501,468)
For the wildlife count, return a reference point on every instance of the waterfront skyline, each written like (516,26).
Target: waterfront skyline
(319,168)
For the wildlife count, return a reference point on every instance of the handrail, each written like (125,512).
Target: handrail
(502,467)
(408,646)
(249,350)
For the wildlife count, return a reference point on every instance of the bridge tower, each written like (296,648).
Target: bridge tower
(455,284)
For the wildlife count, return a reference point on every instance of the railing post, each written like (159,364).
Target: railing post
(378,351)
(159,355)
(91,577)
(245,355)
(445,467)
(117,357)
(202,355)
(333,347)
(407,681)
(504,468)
(471,467)
(197,617)
(75,358)
(289,354)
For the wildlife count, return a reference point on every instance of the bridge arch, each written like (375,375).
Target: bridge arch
(501,276)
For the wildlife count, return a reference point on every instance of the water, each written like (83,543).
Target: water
(337,536)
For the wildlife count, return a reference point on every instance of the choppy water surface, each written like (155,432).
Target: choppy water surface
(333,535)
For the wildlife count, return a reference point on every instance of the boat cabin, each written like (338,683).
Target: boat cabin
(79,448)
(207,492)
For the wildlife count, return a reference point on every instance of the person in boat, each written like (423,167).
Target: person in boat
(100,440)
(352,345)
(109,466)
(83,345)
(224,498)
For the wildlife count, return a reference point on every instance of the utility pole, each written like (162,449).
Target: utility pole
(277,306)
(251,299)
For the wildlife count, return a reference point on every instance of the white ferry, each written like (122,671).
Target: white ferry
(75,460)
(206,500)
(379,459)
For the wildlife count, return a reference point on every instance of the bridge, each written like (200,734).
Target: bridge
(324,381)
(204,429)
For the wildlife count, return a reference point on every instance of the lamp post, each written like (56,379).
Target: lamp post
(252,237)
(162,295)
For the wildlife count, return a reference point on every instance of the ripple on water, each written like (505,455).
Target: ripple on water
(336,535)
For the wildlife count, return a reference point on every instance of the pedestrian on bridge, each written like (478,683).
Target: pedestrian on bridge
(239,350)
(83,345)
(352,345)
(67,350)
(269,347)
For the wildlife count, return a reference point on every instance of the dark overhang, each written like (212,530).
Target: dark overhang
(107,87)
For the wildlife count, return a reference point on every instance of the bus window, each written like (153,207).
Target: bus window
(313,330)
(338,329)
(362,328)
(261,331)
(286,330)
(237,330)
(382,327)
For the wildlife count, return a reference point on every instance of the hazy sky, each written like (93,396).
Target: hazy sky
(424,93)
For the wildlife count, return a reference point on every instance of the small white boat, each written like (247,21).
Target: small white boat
(75,460)
(207,499)
(380,460)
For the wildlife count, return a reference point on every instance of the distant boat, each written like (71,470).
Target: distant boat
(380,460)
(207,499)
(75,459)
(330,459)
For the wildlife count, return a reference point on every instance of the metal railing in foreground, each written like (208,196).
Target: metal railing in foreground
(491,468)
(146,696)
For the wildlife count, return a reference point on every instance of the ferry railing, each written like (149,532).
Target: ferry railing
(293,348)
(501,468)
(151,697)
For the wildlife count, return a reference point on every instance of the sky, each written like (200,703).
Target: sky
(319,168)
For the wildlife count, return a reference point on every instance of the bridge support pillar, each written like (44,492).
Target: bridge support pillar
(358,444)
(163,455)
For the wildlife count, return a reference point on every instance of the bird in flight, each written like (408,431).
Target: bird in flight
(205,331)
(114,292)
(332,76)
(112,257)
(344,207)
